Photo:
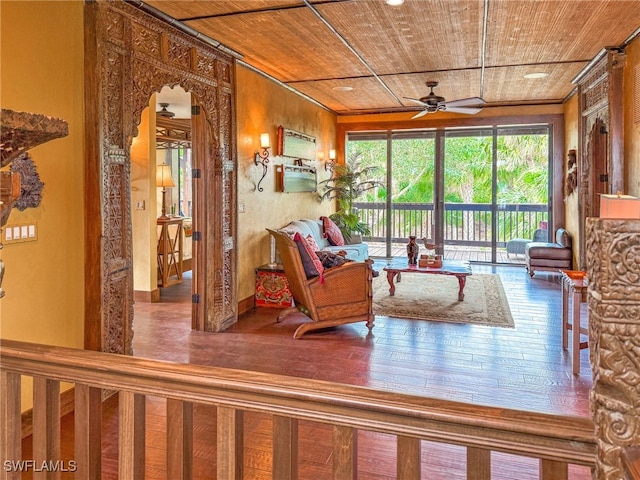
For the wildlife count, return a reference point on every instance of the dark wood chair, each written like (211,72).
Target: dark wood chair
(344,294)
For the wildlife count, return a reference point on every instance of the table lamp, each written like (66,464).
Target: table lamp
(164,180)
(619,206)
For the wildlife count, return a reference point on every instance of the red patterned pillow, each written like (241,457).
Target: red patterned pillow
(312,243)
(310,261)
(332,232)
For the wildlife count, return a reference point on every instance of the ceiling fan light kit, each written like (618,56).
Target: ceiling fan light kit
(433,103)
(164,112)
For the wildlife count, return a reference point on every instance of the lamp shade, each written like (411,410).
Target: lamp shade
(619,206)
(265,140)
(163,176)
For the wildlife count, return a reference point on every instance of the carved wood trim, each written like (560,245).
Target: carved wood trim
(135,55)
(613,250)
(600,101)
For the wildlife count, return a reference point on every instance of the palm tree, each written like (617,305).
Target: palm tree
(349,182)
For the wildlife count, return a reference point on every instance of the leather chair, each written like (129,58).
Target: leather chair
(550,256)
(341,295)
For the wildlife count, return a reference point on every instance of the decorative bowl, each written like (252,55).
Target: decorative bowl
(575,274)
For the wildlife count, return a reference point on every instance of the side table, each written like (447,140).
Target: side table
(169,250)
(574,285)
(272,288)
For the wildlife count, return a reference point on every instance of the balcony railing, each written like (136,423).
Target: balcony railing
(556,441)
(467,224)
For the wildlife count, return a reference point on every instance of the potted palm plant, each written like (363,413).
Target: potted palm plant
(346,185)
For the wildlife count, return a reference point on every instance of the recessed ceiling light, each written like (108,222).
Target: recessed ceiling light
(536,75)
(394,3)
(346,88)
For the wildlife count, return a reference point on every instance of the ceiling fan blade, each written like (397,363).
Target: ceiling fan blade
(467,110)
(465,102)
(420,102)
(421,114)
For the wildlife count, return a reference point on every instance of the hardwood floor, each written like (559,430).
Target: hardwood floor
(523,368)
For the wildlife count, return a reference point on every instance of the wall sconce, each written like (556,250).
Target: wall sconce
(164,180)
(619,206)
(262,158)
(331,164)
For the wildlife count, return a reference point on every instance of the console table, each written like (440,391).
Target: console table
(169,251)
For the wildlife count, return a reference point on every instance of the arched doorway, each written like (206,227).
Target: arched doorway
(134,55)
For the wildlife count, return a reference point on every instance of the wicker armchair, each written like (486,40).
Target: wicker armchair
(345,295)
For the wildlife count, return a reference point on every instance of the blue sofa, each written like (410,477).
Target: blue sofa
(355,249)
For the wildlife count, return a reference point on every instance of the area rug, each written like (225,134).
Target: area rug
(435,298)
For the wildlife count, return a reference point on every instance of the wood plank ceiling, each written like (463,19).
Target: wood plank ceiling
(363,56)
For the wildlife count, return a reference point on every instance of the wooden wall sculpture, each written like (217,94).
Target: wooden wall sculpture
(613,251)
(129,55)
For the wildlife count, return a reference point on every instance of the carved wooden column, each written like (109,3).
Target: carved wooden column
(613,265)
(131,54)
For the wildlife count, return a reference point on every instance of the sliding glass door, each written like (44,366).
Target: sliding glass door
(470,191)
(468,194)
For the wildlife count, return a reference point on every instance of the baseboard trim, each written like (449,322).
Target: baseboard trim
(146,297)
(247,304)
(67,405)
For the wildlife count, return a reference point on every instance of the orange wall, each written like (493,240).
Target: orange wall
(572,216)
(262,106)
(43,72)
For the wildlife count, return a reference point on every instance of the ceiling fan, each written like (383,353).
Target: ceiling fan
(164,112)
(433,103)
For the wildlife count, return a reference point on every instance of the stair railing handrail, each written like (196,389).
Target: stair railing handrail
(539,435)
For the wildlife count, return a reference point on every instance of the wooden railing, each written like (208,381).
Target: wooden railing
(556,440)
(467,224)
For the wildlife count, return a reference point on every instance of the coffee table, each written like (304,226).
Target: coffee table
(459,269)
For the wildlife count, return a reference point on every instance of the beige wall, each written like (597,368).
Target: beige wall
(572,216)
(144,225)
(42,72)
(262,106)
(632,130)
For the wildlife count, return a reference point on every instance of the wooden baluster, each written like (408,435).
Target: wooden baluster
(46,426)
(11,422)
(285,448)
(88,432)
(478,464)
(553,470)
(230,443)
(179,439)
(131,426)
(345,453)
(408,462)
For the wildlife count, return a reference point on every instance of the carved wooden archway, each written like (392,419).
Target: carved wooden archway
(129,55)
(601,147)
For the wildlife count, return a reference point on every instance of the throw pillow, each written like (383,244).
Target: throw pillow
(312,243)
(330,260)
(332,232)
(310,261)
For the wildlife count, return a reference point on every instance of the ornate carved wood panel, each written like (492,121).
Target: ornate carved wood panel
(600,101)
(613,265)
(134,55)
